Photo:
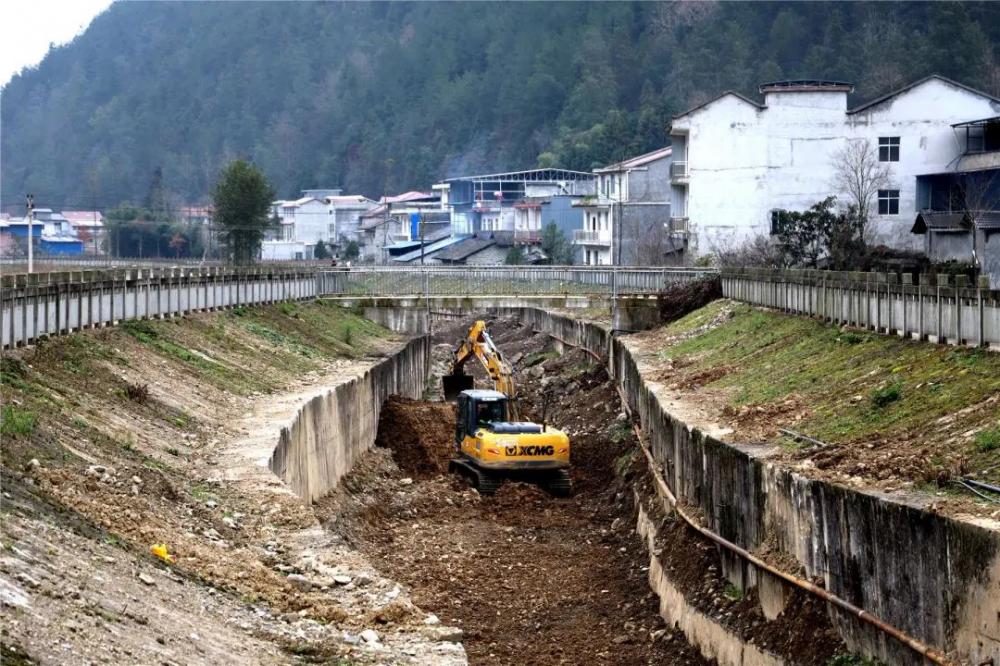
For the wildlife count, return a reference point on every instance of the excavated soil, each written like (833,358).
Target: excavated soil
(528,577)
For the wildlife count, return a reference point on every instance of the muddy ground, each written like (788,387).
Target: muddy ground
(92,479)
(528,577)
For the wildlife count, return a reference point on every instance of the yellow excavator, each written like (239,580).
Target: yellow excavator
(491,443)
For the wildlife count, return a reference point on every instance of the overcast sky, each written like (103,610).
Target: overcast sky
(27,27)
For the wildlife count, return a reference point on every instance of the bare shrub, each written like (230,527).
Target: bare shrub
(138,393)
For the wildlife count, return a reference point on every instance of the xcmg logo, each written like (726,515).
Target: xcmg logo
(529,450)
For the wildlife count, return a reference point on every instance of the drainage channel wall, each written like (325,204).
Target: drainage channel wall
(333,429)
(935,578)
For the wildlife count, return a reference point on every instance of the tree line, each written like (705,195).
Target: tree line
(384,97)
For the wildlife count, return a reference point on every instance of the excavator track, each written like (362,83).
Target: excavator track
(558,483)
(485,482)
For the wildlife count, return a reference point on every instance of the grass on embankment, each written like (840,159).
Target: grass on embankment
(854,386)
(88,390)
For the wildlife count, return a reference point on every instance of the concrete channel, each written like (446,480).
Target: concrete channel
(931,577)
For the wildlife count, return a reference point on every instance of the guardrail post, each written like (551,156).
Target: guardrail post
(940,281)
(960,283)
(984,284)
(907,281)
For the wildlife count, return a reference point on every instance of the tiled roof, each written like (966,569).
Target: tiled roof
(638,161)
(466,248)
(941,221)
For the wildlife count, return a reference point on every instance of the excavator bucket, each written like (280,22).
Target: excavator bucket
(455,384)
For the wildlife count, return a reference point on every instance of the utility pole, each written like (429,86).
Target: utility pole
(31,232)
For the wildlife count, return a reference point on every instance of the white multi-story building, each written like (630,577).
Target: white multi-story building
(735,160)
(320,215)
(628,221)
(304,220)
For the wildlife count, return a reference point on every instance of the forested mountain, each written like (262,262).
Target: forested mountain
(385,97)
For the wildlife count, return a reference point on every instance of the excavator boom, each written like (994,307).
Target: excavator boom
(477,343)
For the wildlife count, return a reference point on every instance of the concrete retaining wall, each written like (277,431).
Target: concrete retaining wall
(332,430)
(936,578)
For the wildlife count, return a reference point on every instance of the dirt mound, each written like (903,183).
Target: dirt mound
(420,435)
(687,297)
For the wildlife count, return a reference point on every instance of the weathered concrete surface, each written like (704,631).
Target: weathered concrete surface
(713,639)
(332,429)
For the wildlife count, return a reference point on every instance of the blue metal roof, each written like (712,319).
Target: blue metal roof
(433,247)
(402,245)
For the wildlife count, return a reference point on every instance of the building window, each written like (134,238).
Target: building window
(776,220)
(888,149)
(888,202)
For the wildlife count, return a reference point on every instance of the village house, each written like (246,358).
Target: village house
(516,206)
(318,216)
(959,216)
(400,225)
(627,222)
(736,160)
(88,226)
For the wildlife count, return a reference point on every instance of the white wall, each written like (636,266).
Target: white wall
(745,161)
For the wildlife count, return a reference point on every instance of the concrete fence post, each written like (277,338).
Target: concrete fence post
(961,281)
(984,284)
(79,303)
(921,283)
(907,282)
(941,281)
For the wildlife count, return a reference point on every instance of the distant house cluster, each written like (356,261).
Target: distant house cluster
(733,166)
(69,233)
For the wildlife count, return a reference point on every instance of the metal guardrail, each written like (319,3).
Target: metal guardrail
(470,281)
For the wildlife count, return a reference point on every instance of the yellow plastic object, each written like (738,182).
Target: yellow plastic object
(160,550)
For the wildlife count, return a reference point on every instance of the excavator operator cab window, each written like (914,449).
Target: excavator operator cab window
(490,411)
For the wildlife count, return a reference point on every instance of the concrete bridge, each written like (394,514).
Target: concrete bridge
(55,303)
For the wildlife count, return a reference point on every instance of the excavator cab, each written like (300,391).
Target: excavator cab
(479,411)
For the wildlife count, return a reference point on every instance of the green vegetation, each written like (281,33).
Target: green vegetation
(535,358)
(352,250)
(620,431)
(769,357)
(622,462)
(17,421)
(149,333)
(556,246)
(570,84)
(515,256)
(988,440)
(732,592)
(886,395)
(242,197)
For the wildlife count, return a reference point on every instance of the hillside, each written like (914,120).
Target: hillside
(377,97)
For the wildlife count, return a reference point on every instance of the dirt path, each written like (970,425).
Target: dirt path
(529,578)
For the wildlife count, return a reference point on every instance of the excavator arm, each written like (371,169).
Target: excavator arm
(477,343)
